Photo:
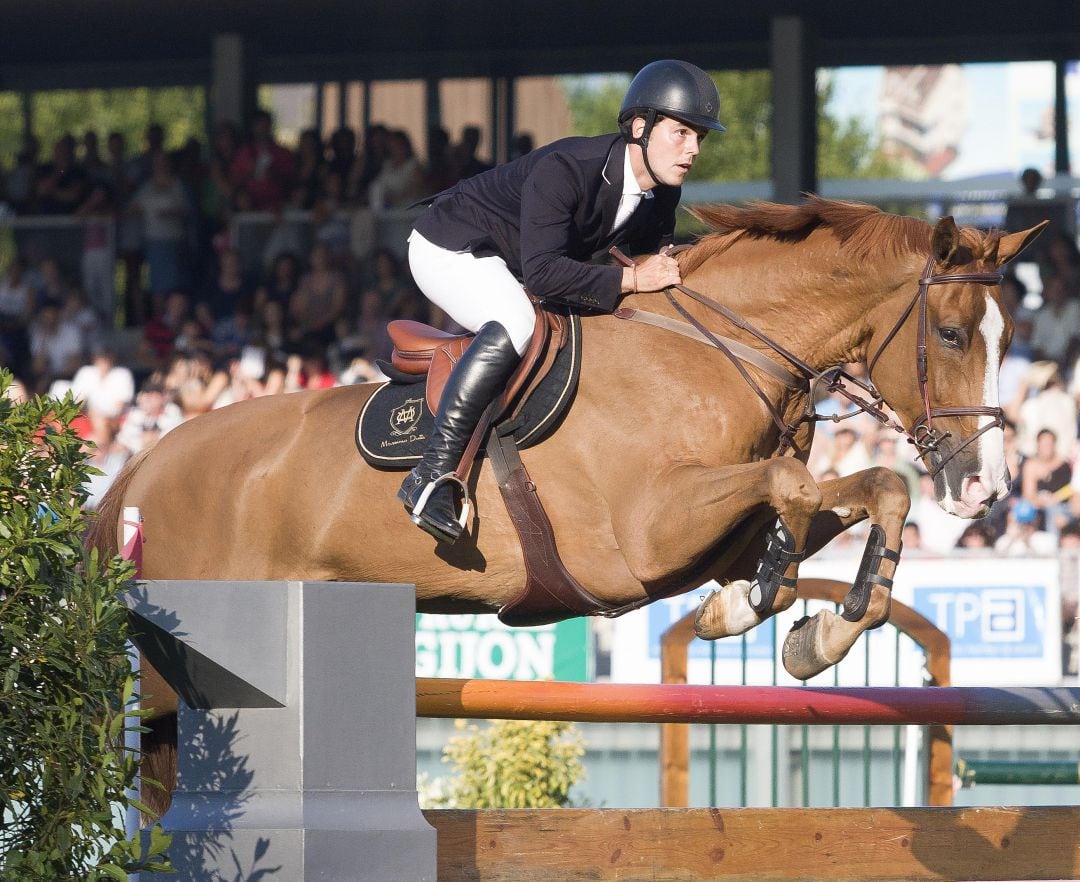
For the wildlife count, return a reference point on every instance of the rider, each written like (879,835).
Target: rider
(537,223)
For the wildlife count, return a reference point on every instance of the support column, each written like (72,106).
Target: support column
(232,93)
(502,118)
(1061,120)
(432,110)
(794,95)
(296,749)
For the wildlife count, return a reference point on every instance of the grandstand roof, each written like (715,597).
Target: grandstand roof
(47,43)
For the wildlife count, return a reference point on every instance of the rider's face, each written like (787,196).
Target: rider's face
(673,146)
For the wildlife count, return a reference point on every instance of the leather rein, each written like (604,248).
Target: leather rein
(926,439)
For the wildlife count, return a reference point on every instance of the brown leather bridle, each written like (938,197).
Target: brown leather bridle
(922,434)
(926,439)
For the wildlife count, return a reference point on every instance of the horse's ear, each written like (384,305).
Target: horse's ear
(945,240)
(1012,244)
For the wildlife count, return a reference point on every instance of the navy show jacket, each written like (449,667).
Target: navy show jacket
(549,215)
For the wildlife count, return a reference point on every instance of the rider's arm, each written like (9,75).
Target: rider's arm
(549,199)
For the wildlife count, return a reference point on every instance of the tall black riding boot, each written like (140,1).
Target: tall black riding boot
(480,375)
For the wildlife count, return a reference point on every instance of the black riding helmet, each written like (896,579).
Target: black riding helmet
(669,88)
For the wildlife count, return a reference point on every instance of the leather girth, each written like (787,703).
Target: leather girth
(551,593)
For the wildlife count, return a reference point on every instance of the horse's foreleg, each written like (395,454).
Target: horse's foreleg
(734,504)
(818,642)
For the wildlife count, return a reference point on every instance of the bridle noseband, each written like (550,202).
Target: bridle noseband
(923,435)
(926,439)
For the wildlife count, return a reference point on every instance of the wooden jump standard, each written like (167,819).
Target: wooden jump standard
(691,845)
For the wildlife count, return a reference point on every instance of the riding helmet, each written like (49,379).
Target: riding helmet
(673,88)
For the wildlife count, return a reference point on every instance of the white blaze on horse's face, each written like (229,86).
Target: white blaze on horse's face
(992,480)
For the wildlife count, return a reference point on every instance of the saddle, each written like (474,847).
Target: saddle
(393,428)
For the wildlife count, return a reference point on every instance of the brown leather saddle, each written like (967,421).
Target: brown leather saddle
(550,593)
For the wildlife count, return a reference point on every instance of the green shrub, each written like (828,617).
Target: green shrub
(65,679)
(511,764)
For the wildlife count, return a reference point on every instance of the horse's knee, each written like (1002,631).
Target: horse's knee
(889,493)
(792,488)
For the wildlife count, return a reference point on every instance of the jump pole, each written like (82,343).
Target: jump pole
(782,705)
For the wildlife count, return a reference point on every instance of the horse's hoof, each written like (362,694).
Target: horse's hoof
(813,645)
(726,612)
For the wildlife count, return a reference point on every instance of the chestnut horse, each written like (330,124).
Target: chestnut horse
(669,469)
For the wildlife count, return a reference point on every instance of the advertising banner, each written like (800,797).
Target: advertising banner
(480,646)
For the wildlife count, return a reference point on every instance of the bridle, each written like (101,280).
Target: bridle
(926,439)
(923,435)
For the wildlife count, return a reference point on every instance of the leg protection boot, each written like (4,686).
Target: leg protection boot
(476,380)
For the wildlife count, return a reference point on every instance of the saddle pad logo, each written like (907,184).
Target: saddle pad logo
(405,418)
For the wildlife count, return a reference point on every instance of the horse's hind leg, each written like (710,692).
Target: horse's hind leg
(746,603)
(821,641)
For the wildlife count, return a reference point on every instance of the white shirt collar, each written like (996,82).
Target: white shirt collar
(629,182)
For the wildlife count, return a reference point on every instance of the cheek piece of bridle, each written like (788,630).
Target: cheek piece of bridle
(923,435)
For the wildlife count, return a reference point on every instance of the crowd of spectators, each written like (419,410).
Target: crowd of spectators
(211,330)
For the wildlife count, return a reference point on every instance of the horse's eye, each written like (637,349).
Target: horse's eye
(951,336)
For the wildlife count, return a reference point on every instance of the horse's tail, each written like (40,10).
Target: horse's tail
(158,747)
(101,533)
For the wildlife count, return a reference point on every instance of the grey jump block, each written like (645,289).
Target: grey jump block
(297,729)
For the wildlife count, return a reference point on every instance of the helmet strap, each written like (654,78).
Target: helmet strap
(643,141)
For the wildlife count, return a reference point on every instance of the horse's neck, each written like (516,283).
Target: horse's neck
(821,308)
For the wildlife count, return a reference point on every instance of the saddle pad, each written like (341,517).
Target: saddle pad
(395,423)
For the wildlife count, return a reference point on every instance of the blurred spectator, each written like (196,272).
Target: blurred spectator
(19,186)
(262,171)
(389,297)
(343,161)
(160,333)
(1045,482)
(977,535)
(375,148)
(469,164)
(284,277)
(98,256)
(165,209)
(105,453)
(521,144)
(400,181)
(121,175)
(1057,321)
(1051,407)
(92,163)
(319,300)
(1062,258)
(887,454)
(216,198)
(62,184)
(104,385)
(911,537)
(228,289)
(56,346)
(310,170)
(442,170)
(1022,534)
(329,227)
(16,308)
(1027,209)
(153,415)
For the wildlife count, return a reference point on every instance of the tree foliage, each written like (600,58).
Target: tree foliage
(65,679)
(846,148)
(512,764)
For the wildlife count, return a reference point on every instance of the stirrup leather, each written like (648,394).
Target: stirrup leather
(779,554)
(425,495)
(858,598)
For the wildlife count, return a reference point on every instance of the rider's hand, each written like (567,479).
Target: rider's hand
(654,273)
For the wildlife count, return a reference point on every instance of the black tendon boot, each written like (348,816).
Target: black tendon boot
(474,383)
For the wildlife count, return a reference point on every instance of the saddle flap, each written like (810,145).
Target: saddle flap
(415,345)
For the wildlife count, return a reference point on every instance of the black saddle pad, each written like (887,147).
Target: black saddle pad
(393,428)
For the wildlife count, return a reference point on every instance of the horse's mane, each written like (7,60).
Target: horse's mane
(862,229)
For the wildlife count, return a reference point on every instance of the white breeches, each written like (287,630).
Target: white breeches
(472,290)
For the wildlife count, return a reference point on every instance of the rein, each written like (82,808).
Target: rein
(926,439)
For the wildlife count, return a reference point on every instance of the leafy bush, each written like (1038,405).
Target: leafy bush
(65,679)
(511,764)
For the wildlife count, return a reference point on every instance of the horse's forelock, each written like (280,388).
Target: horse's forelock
(862,229)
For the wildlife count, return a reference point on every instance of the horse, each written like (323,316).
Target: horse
(675,465)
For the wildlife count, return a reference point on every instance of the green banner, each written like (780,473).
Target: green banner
(482,647)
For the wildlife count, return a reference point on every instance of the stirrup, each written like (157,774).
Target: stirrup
(425,494)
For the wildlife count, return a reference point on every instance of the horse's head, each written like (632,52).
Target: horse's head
(936,363)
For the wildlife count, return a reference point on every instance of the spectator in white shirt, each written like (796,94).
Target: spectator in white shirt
(56,346)
(104,385)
